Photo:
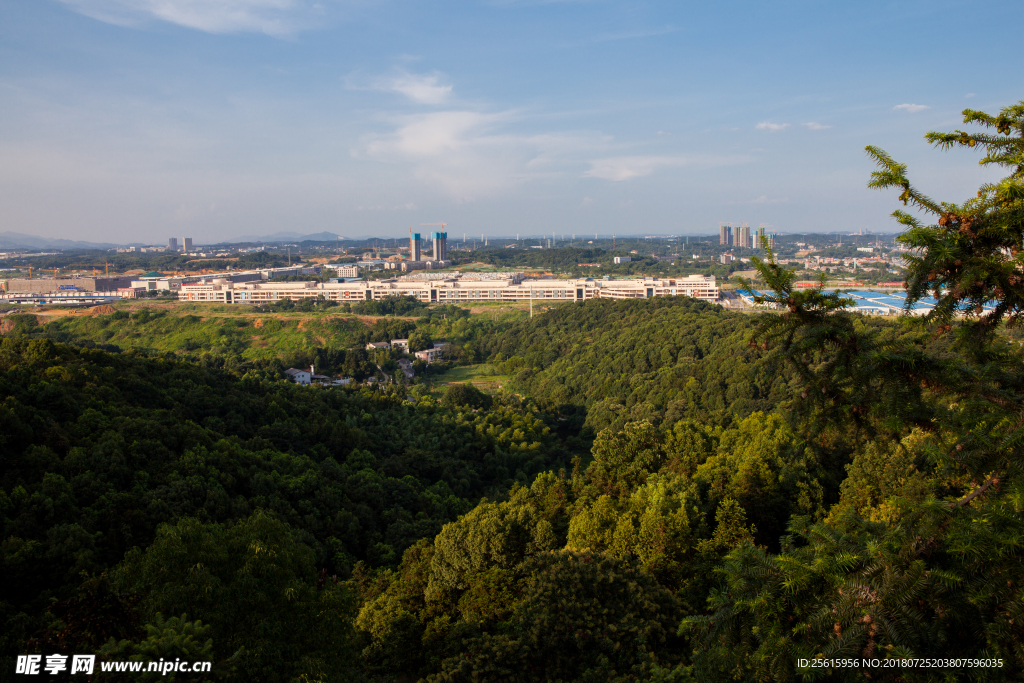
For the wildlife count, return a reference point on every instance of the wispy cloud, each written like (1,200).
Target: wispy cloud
(408,206)
(432,134)
(469,154)
(764,199)
(528,3)
(814,125)
(623,35)
(420,88)
(622,168)
(969,95)
(773,127)
(911,108)
(272,17)
(472,154)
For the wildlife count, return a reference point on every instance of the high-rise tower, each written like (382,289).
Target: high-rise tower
(414,247)
(187,242)
(172,244)
(724,234)
(440,245)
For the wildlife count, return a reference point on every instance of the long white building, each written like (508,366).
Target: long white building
(464,290)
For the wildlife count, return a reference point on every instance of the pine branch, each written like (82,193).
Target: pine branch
(991,481)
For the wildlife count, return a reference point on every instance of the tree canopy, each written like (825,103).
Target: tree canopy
(921,559)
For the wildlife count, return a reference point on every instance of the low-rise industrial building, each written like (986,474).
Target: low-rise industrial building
(871,303)
(112,284)
(43,285)
(451,291)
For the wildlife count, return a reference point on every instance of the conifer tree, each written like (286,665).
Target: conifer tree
(940,573)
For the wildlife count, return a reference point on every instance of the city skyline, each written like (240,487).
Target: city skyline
(128,121)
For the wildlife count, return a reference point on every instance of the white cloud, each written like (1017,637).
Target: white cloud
(773,127)
(911,108)
(420,88)
(969,95)
(626,168)
(433,134)
(272,17)
(814,125)
(467,155)
(470,154)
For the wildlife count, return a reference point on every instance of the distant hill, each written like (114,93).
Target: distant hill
(287,237)
(18,240)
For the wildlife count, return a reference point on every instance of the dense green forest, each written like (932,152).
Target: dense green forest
(113,444)
(249,343)
(101,449)
(662,491)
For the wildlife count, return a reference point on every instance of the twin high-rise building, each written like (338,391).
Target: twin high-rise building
(765,240)
(440,246)
(416,261)
(724,234)
(186,242)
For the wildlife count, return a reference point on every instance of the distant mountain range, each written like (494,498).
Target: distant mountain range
(287,237)
(17,240)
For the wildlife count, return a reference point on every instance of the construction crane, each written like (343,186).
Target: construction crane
(105,266)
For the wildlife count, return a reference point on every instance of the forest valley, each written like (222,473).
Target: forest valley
(661,491)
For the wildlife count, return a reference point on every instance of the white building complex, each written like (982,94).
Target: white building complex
(450,290)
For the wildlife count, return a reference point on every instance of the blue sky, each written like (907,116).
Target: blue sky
(131,120)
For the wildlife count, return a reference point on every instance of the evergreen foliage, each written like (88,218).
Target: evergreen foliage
(100,449)
(625,361)
(922,556)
